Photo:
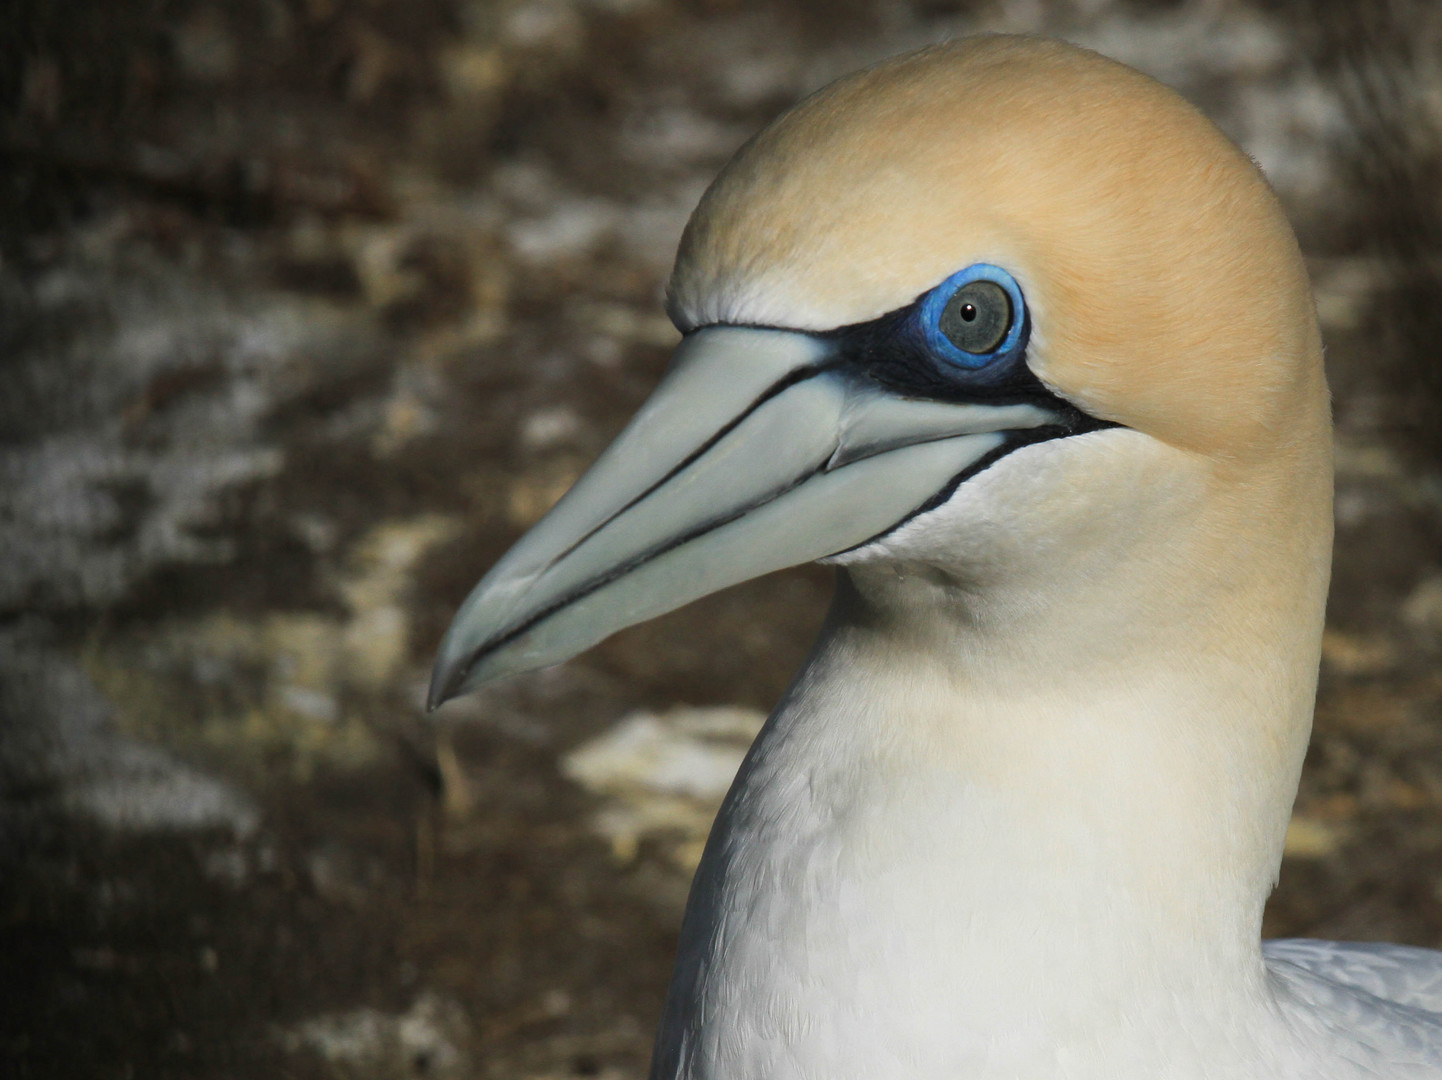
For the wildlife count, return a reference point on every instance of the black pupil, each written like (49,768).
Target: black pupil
(978,317)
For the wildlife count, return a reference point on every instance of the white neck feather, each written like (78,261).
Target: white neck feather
(1004,819)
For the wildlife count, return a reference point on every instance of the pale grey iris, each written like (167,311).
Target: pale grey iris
(977,317)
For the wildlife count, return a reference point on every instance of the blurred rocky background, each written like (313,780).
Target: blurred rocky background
(309,307)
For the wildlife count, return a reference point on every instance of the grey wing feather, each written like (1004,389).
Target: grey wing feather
(1400,974)
(1380,1005)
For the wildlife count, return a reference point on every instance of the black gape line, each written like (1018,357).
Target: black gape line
(1014,440)
(891,353)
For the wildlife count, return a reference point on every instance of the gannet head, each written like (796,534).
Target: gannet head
(942,312)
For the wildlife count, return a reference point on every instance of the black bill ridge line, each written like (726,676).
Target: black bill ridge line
(784,383)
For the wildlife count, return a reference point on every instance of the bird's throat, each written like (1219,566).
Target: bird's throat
(950,828)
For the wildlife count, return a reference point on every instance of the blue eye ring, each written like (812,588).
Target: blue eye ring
(935,303)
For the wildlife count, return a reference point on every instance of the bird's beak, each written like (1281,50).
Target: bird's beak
(761,449)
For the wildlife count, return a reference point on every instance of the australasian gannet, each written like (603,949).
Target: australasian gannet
(1018,340)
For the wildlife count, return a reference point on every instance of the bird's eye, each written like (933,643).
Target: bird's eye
(975,316)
